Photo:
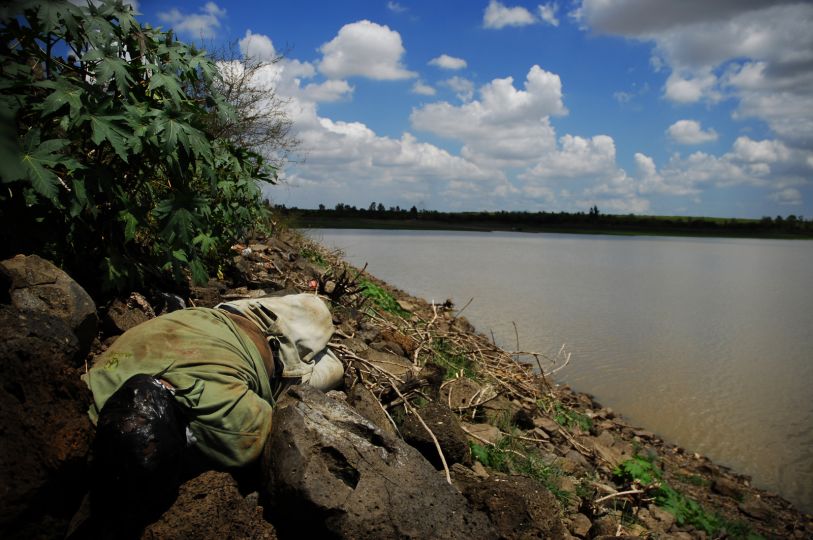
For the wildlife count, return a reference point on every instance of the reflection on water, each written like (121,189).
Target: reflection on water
(705,341)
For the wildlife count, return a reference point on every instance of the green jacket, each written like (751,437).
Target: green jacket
(218,373)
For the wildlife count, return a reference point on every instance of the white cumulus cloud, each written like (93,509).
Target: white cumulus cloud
(576,157)
(787,196)
(760,52)
(202,25)
(328,91)
(463,87)
(257,47)
(690,132)
(498,15)
(505,124)
(364,49)
(423,89)
(690,88)
(766,151)
(448,62)
(547,12)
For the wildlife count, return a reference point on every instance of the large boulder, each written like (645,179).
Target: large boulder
(38,285)
(210,507)
(366,404)
(126,313)
(45,433)
(446,428)
(332,473)
(519,507)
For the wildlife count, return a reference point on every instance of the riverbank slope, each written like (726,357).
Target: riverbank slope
(535,458)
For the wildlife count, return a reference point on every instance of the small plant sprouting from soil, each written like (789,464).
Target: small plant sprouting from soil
(644,472)
(511,457)
(456,363)
(382,298)
(314,256)
(564,415)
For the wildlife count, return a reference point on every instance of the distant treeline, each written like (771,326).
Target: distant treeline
(394,217)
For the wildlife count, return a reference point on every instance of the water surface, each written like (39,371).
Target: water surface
(706,342)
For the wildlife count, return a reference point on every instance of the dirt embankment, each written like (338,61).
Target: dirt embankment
(536,459)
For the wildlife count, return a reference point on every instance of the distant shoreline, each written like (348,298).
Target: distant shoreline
(307,220)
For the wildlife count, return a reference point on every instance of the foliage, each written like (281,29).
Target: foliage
(564,415)
(107,158)
(685,509)
(313,255)
(456,363)
(381,298)
(511,457)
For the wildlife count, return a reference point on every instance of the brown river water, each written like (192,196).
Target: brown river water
(707,342)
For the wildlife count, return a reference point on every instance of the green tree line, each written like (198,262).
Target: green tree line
(591,221)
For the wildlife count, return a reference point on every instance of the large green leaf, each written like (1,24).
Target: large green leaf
(38,159)
(104,128)
(114,68)
(169,85)
(64,94)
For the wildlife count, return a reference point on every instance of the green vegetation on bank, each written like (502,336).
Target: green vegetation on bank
(376,216)
(686,510)
(381,298)
(511,457)
(121,155)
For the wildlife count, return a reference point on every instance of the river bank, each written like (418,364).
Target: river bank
(601,440)
(534,458)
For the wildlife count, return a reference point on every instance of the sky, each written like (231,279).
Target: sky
(635,106)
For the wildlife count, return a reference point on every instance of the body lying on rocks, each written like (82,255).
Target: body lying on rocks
(198,381)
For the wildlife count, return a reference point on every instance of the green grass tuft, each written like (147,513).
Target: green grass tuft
(454,362)
(382,298)
(510,457)
(314,256)
(564,415)
(685,509)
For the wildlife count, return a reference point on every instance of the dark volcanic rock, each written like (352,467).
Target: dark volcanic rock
(331,473)
(124,314)
(446,427)
(44,427)
(367,405)
(726,487)
(38,285)
(756,508)
(519,507)
(210,507)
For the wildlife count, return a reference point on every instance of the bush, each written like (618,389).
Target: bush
(107,156)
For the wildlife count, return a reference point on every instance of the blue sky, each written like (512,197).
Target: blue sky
(643,106)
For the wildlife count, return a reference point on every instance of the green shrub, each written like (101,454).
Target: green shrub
(107,159)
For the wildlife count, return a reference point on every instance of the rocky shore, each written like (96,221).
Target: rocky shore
(436,433)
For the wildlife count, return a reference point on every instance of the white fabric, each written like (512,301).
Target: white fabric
(300,325)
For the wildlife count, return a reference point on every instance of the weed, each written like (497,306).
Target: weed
(508,456)
(685,509)
(381,298)
(454,362)
(564,415)
(314,256)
